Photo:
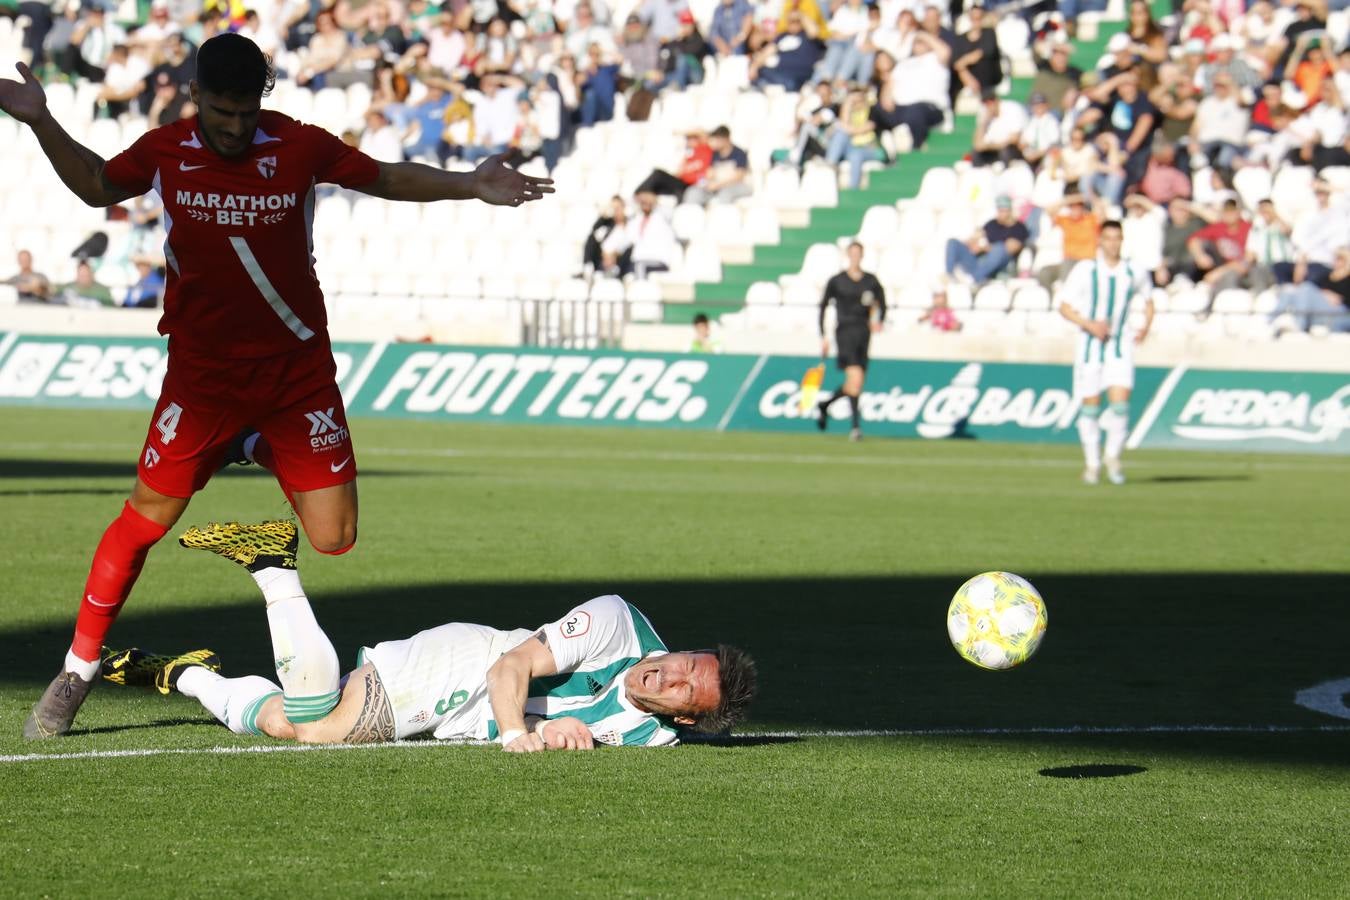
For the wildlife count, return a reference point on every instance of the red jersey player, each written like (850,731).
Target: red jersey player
(248,341)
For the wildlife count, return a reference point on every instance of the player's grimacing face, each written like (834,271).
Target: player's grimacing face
(684,686)
(228,120)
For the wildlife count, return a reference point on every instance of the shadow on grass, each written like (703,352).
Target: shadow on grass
(1189,479)
(133,726)
(1179,652)
(63,492)
(1091,770)
(56,468)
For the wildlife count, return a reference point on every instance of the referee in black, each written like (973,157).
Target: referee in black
(860,308)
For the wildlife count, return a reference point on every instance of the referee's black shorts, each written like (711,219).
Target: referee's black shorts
(853,344)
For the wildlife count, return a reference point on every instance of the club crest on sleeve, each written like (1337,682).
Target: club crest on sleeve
(267,166)
(612,738)
(576,624)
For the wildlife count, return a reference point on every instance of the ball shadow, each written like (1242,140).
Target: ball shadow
(1091,770)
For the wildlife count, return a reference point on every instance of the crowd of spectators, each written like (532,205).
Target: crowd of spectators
(1159,132)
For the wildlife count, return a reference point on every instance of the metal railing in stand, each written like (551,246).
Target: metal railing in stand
(573,324)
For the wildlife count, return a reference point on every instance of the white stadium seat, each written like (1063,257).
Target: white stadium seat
(763,293)
(688,221)
(1233,301)
(993,297)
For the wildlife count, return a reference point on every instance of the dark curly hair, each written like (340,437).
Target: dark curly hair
(739,681)
(232,64)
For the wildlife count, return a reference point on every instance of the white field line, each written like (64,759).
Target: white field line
(748,735)
(740,394)
(1155,407)
(984,462)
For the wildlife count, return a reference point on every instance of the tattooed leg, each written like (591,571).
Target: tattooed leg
(363,715)
(376,720)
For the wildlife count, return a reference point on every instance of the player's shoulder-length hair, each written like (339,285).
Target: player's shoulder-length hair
(232,64)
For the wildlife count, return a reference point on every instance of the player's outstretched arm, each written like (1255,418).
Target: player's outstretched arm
(79,167)
(508,683)
(492,182)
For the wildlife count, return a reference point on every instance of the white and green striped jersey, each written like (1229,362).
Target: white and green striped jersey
(1098,291)
(1269,243)
(593,646)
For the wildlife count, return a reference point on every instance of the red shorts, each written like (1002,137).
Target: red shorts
(204,403)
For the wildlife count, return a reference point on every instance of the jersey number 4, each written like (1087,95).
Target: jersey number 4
(167,423)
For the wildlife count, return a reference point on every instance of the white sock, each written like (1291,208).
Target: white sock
(1090,434)
(1117,427)
(307,664)
(234,701)
(249,443)
(81,667)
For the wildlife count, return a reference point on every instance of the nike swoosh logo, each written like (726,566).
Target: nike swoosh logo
(338,467)
(97,602)
(184,167)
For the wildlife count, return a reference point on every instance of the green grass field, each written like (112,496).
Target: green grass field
(1186,611)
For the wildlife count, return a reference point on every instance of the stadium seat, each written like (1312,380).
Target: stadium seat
(500,287)
(688,221)
(761,225)
(1014,37)
(797,292)
(558,259)
(725,224)
(1190,300)
(1031,298)
(404,219)
(751,112)
(607,290)
(781,187)
(491,257)
(764,293)
(1253,185)
(572,290)
(1338,177)
(938,188)
(643,292)
(909,296)
(369,214)
(1292,191)
(702,262)
(1233,301)
(393,284)
(820,186)
(993,297)
(535,288)
(1265,302)
(958,296)
(879,225)
(675,111)
(822,261)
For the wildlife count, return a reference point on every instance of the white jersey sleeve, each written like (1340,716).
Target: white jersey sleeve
(597,631)
(1077,289)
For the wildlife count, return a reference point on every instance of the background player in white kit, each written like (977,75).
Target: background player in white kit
(600,673)
(1098,296)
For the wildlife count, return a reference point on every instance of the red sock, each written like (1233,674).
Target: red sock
(117,563)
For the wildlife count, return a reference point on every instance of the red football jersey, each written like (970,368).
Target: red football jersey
(240,242)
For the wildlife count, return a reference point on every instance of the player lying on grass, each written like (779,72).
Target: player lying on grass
(600,673)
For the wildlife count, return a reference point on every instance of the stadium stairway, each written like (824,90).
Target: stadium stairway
(882,187)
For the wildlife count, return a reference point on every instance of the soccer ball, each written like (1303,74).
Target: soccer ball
(996,620)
